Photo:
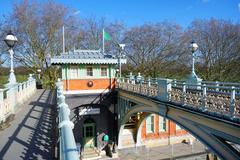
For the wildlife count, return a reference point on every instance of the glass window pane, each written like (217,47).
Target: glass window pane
(162,124)
(89,71)
(74,72)
(178,127)
(104,71)
(150,124)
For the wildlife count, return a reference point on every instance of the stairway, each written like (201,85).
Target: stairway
(89,154)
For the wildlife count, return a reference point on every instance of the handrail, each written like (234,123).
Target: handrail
(68,148)
(223,101)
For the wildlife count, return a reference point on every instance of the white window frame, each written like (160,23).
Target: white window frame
(103,67)
(150,124)
(87,67)
(162,124)
(74,71)
(178,127)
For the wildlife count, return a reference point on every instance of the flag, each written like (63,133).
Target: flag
(106,36)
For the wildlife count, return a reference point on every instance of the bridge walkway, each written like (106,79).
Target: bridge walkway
(31,134)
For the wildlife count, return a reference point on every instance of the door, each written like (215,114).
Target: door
(89,134)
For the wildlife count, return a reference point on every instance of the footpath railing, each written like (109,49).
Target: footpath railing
(220,99)
(67,145)
(12,96)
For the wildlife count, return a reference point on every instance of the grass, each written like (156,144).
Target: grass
(19,78)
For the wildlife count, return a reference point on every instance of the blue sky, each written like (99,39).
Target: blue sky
(137,12)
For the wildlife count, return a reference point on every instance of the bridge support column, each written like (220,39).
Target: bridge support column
(120,137)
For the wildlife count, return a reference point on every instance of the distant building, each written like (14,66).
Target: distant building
(154,131)
(157,130)
(87,71)
(88,76)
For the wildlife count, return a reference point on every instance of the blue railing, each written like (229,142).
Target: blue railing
(67,144)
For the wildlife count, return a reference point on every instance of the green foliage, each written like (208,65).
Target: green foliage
(50,77)
(4,79)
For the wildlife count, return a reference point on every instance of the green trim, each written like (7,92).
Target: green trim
(85,138)
(109,71)
(82,72)
(97,71)
(65,72)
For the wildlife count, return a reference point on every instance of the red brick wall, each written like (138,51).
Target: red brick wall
(81,84)
(171,130)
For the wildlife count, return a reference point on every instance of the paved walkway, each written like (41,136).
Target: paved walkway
(31,134)
(177,151)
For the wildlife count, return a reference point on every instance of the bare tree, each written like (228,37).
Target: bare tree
(218,42)
(37,26)
(153,46)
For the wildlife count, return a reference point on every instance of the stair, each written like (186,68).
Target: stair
(90,154)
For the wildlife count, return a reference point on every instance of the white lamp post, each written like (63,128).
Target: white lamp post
(193,46)
(120,55)
(11,40)
(193,78)
(39,71)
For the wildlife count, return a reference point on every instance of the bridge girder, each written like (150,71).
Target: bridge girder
(212,131)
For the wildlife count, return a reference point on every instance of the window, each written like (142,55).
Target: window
(89,131)
(150,124)
(103,71)
(89,71)
(162,124)
(74,72)
(178,127)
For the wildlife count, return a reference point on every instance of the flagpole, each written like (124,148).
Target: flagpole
(103,39)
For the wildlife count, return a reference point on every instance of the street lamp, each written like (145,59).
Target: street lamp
(193,46)
(11,40)
(120,55)
(39,71)
(193,78)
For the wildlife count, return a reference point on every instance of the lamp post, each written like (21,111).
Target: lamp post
(120,56)
(39,71)
(11,40)
(193,46)
(193,78)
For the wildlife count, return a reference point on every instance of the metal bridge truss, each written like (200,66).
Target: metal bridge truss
(211,113)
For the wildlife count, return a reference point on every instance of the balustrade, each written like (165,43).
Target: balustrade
(216,98)
(12,96)
(67,145)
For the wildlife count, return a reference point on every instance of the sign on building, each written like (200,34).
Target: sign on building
(89,111)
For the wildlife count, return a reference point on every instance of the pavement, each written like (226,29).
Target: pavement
(180,151)
(30,135)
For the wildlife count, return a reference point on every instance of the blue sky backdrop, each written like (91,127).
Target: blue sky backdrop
(137,12)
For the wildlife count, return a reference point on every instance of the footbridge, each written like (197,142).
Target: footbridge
(208,111)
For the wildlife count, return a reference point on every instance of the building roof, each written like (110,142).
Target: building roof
(86,57)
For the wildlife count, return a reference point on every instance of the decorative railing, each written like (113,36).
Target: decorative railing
(67,145)
(220,99)
(14,95)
